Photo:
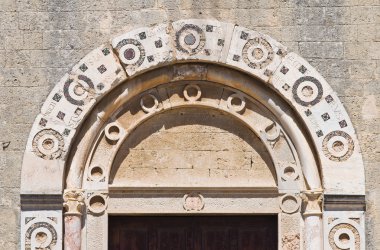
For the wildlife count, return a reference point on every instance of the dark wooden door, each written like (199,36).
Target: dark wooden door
(193,233)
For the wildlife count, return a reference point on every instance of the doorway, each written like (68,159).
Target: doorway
(193,232)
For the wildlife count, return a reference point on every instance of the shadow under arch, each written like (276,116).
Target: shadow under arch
(192,116)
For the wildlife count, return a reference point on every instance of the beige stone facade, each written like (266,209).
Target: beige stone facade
(190,116)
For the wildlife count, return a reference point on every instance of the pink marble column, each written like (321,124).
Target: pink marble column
(312,214)
(73,203)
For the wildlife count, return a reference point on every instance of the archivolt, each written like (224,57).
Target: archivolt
(133,111)
(212,42)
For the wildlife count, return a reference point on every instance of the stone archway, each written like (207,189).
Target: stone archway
(220,63)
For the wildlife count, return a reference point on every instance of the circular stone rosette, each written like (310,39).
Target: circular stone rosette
(79,92)
(131,52)
(289,204)
(344,236)
(257,53)
(48,144)
(338,146)
(190,39)
(40,235)
(307,91)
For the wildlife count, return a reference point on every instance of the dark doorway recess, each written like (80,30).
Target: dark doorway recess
(192,233)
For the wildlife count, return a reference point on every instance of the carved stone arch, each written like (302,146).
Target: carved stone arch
(80,110)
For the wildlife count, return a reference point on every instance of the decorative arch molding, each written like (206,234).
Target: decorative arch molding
(248,64)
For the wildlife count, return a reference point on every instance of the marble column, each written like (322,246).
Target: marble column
(312,213)
(73,203)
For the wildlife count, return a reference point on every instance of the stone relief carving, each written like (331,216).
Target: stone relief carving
(73,201)
(272,133)
(193,202)
(228,44)
(149,103)
(344,236)
(289,172)
(289,203)
(192,92)
(48,144)
(96,202)
(41,230)
(236,102)
(257,52)
(131,52)
(96,173)
(291,242)
(307,91)
(113,132)
(79,91)
(190,39)
(312,202)
(344,230)
(40,235)
(338,146)
(264,56)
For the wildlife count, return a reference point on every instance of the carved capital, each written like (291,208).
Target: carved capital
(73,201)
(312,202)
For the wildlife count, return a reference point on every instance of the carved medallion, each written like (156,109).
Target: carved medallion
(257,53)
(192,92)
(96,202)
(113,132)
(190,39)
(48,144)
(307,91)
(344,236)
(40,235)
(149,103)
(289,204)
(131,52)
(80,91)
(236,102)
(193,202)
(338,146)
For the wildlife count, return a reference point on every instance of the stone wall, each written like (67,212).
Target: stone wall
(193,148)
(40,40)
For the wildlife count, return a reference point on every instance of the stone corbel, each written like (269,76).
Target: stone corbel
(73,201)
(312,202)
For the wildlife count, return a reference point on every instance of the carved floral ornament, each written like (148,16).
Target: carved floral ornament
(208,41)
(73,202)
(193,202)
(312,202)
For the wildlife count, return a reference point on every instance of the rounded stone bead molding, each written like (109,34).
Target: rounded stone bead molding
(97,203)
(40,235)
(149,103)
(289,204)
(344,236)
(48,144)
(257,53)
(80,91)
(307,91)
(190,39)
(338,146)
(113,132)
(289,173)
(96,173)
(192,92)
(272,132)
(193,202)
(236,102)
(131,52)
